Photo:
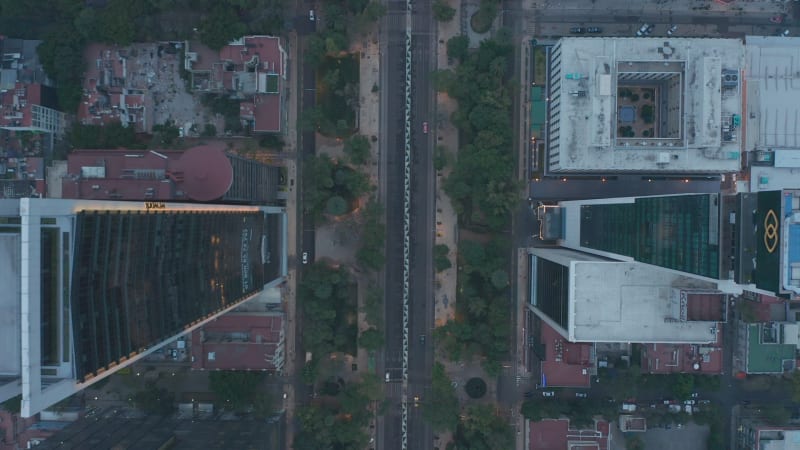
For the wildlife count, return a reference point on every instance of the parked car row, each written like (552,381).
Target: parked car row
(645,30)
(581,30)
(530,394)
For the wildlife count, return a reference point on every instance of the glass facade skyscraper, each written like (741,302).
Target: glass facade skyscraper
(102,284)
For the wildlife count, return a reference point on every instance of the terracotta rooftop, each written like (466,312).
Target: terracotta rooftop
(15,104)
(705,306)
(555,434)
(203,173)
(684,358)
(566,364)
(239,342)
(244,67)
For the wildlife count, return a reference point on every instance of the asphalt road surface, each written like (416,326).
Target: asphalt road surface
(422,222)
(306,238)
(420,279)
(392,153)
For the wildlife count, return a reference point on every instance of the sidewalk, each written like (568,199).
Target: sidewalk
(446,134)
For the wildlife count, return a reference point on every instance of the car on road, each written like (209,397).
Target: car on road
(689,402)
(594,30)
(425,127)
(388,377)
(581,394)
(548,394)
(311,17)
(529,394)
(672,30)
(305,257)
(783,32)
(576,30)
(644,30)
(776,19)
(422,339)
(695,394)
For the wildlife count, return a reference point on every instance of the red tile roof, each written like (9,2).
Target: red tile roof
(555,434)
(16,104)
(251,58)
(684,358)
(221,344)
(267,113)
(566,363)
(704,306)
(202,173)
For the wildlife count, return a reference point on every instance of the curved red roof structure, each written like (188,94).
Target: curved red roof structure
(207,172)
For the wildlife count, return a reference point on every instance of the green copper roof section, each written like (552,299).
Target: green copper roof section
(764,356)
(676,232)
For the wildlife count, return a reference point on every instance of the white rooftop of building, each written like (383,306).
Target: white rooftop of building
(631,302)
(773,92)
(772,119)
(779,439)
(588,123)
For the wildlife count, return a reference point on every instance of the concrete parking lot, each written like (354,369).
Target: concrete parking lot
(690,437)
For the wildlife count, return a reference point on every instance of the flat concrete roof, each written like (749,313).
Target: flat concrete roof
(772,121)
(773,92)
(10,363)
(631,302)
(588,123)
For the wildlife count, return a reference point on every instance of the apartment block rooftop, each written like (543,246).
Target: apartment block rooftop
(671,105)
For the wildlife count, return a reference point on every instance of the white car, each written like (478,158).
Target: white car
(305,257)
(643,30)
(311,17)
(672,30)
(548,394)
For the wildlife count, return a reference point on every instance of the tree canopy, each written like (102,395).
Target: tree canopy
(442,11)
(482,327)
(326,297)
(442,409)
(373,236)
(357,149)
(155,400)
(235,389)
(482,429)
(479,185)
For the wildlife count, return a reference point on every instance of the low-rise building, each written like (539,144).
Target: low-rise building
(769,348)
(632,424)
(241,341)
(563,363)
(557,434)
(251,69)
(754,434)
(203,173)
